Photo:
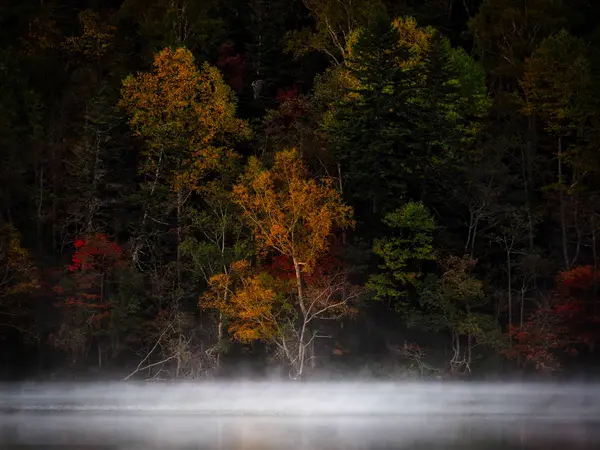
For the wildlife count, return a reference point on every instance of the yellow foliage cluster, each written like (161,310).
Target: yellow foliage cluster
(18,272)
(95,39)
(186,116)
(42,35)
(557,81)
(417,40)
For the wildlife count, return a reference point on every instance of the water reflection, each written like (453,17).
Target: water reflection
(124,431)
(306,416)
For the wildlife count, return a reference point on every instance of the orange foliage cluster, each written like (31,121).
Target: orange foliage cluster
(290,212)
(246,299)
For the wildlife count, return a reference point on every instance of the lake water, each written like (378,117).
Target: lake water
(302,416)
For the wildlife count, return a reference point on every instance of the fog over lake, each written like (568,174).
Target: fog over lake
(269,415)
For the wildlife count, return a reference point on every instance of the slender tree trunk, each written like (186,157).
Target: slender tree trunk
(521,316)
(474,237)
(563,218)
(179,233)
(301,352)
(300,285)
(528,177)
(339,168)
(528,187)
(595,256)
(301,346)
(509,287)
(54,206)
(469,351)
(313,359)
(92,201)
(40,207)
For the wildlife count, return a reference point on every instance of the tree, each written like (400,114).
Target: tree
(262,306)
(334,24)
(456,302)
(88,298)
(187,119)
(556,83)
(289,212)
(416,103)
(293,215)
(165,23)
(216,237)
(247,300)
(19,280)
(507,32)
(563,323)
(92,138)
(403,254)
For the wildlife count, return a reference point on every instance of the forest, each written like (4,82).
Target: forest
(304,189)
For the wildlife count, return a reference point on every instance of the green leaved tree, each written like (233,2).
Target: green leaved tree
(404,251)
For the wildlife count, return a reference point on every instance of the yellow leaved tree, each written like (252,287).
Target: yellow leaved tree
(18,279)
(186,117)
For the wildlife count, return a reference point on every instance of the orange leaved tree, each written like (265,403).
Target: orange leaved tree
(262,307)
(247,300)
(290,212)
(294,215)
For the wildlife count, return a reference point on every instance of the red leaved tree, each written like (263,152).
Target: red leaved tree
(85,296)
(233,66)
(562,324)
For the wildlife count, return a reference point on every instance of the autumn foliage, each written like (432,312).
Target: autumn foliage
(233,66)
(18,273)
(84,295)
(186,116)
(289,212)
(96,253)
(18,280)
(565,323)
(247,299)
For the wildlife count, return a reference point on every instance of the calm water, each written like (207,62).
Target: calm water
(265,416)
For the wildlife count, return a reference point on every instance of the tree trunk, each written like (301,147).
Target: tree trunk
(563,218)
(40,207)
(509,287)
(595,256)
(339,168)
(219,338)
(300,285)
(301,345)
(179,232)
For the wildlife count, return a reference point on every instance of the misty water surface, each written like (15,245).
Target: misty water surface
(300,416)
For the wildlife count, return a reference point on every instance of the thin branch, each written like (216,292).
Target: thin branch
(139,367)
